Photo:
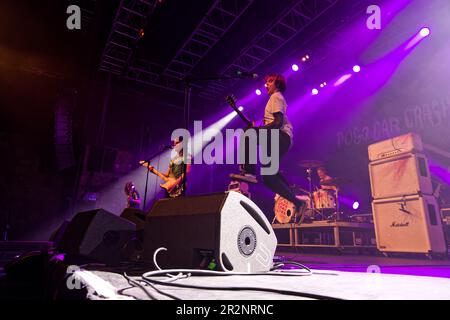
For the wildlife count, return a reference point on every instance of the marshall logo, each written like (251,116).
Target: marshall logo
(399,224)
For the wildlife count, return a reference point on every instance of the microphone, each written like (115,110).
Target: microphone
(243,74)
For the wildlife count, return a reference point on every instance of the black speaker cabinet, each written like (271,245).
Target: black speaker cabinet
(98,235)
(225,230)
(136,216)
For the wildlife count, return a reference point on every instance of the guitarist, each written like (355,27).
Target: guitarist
(175,172)
(275,118)
(176,164)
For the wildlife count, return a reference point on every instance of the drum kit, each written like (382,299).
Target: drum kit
(322,204)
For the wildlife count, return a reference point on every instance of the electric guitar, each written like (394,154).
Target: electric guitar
(231,100)
(173,188)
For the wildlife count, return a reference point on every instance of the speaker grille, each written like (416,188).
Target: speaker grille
(246,241)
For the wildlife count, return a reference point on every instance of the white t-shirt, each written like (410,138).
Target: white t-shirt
(277,103)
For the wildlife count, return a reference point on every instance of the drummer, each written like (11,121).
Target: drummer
(324,178)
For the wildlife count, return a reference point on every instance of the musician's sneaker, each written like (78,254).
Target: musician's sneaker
(247,177)
(301,206)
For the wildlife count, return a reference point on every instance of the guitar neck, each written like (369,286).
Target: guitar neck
(156,172)
(159,174)
(241,115)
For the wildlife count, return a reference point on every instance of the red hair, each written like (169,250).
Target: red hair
(280,81)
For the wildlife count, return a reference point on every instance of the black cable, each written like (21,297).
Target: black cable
(277,291)
(121,292)
(290,262)
(160,291)
(138,285)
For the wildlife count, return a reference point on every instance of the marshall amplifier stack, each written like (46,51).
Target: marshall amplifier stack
(406,214)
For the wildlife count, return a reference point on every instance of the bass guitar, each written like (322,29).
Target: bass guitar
(173,188)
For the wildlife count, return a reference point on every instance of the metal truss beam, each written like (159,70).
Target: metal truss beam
(217,21)
(287,25)
(131,16)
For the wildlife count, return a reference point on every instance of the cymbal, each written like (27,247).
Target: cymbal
(335,182)
(310,163)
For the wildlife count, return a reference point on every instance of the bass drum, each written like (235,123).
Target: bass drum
(284,210)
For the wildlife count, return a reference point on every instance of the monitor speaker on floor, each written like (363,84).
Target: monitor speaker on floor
(225,231)
(98,235)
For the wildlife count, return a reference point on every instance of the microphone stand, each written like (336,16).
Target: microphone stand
(158,153)
(187,105)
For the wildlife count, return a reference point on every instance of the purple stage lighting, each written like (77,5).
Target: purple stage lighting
(314,91)
(241,108)
(356,68)
(424,32)
(295,67)
(355,205)
(258,92)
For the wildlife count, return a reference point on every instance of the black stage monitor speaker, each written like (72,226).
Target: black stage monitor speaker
(136,216)
(225,230)
(99,235)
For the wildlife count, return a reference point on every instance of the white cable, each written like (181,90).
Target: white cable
(224,273)
(154,257)
(173,278)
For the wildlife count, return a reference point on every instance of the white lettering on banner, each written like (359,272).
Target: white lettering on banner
(415,118)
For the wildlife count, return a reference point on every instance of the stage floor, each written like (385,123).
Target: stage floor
(321,284)
(341,276)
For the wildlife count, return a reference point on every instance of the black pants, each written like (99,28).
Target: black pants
(276,182)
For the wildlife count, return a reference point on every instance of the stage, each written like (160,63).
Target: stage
(332,277)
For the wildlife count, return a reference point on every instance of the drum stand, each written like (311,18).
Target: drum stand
(337,213)
(311,200)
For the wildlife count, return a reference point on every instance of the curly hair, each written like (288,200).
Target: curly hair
(280,81)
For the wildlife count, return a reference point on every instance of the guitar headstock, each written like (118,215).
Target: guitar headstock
(231,100)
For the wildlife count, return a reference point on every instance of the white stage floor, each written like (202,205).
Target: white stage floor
(334,284)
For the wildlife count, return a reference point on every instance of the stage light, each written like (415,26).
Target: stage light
(424,32)
(355,205)
(342,79)
(314,91)
(295,67)
(241,108)
(258,92)
(356,68)
(321,85)
(305,57)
